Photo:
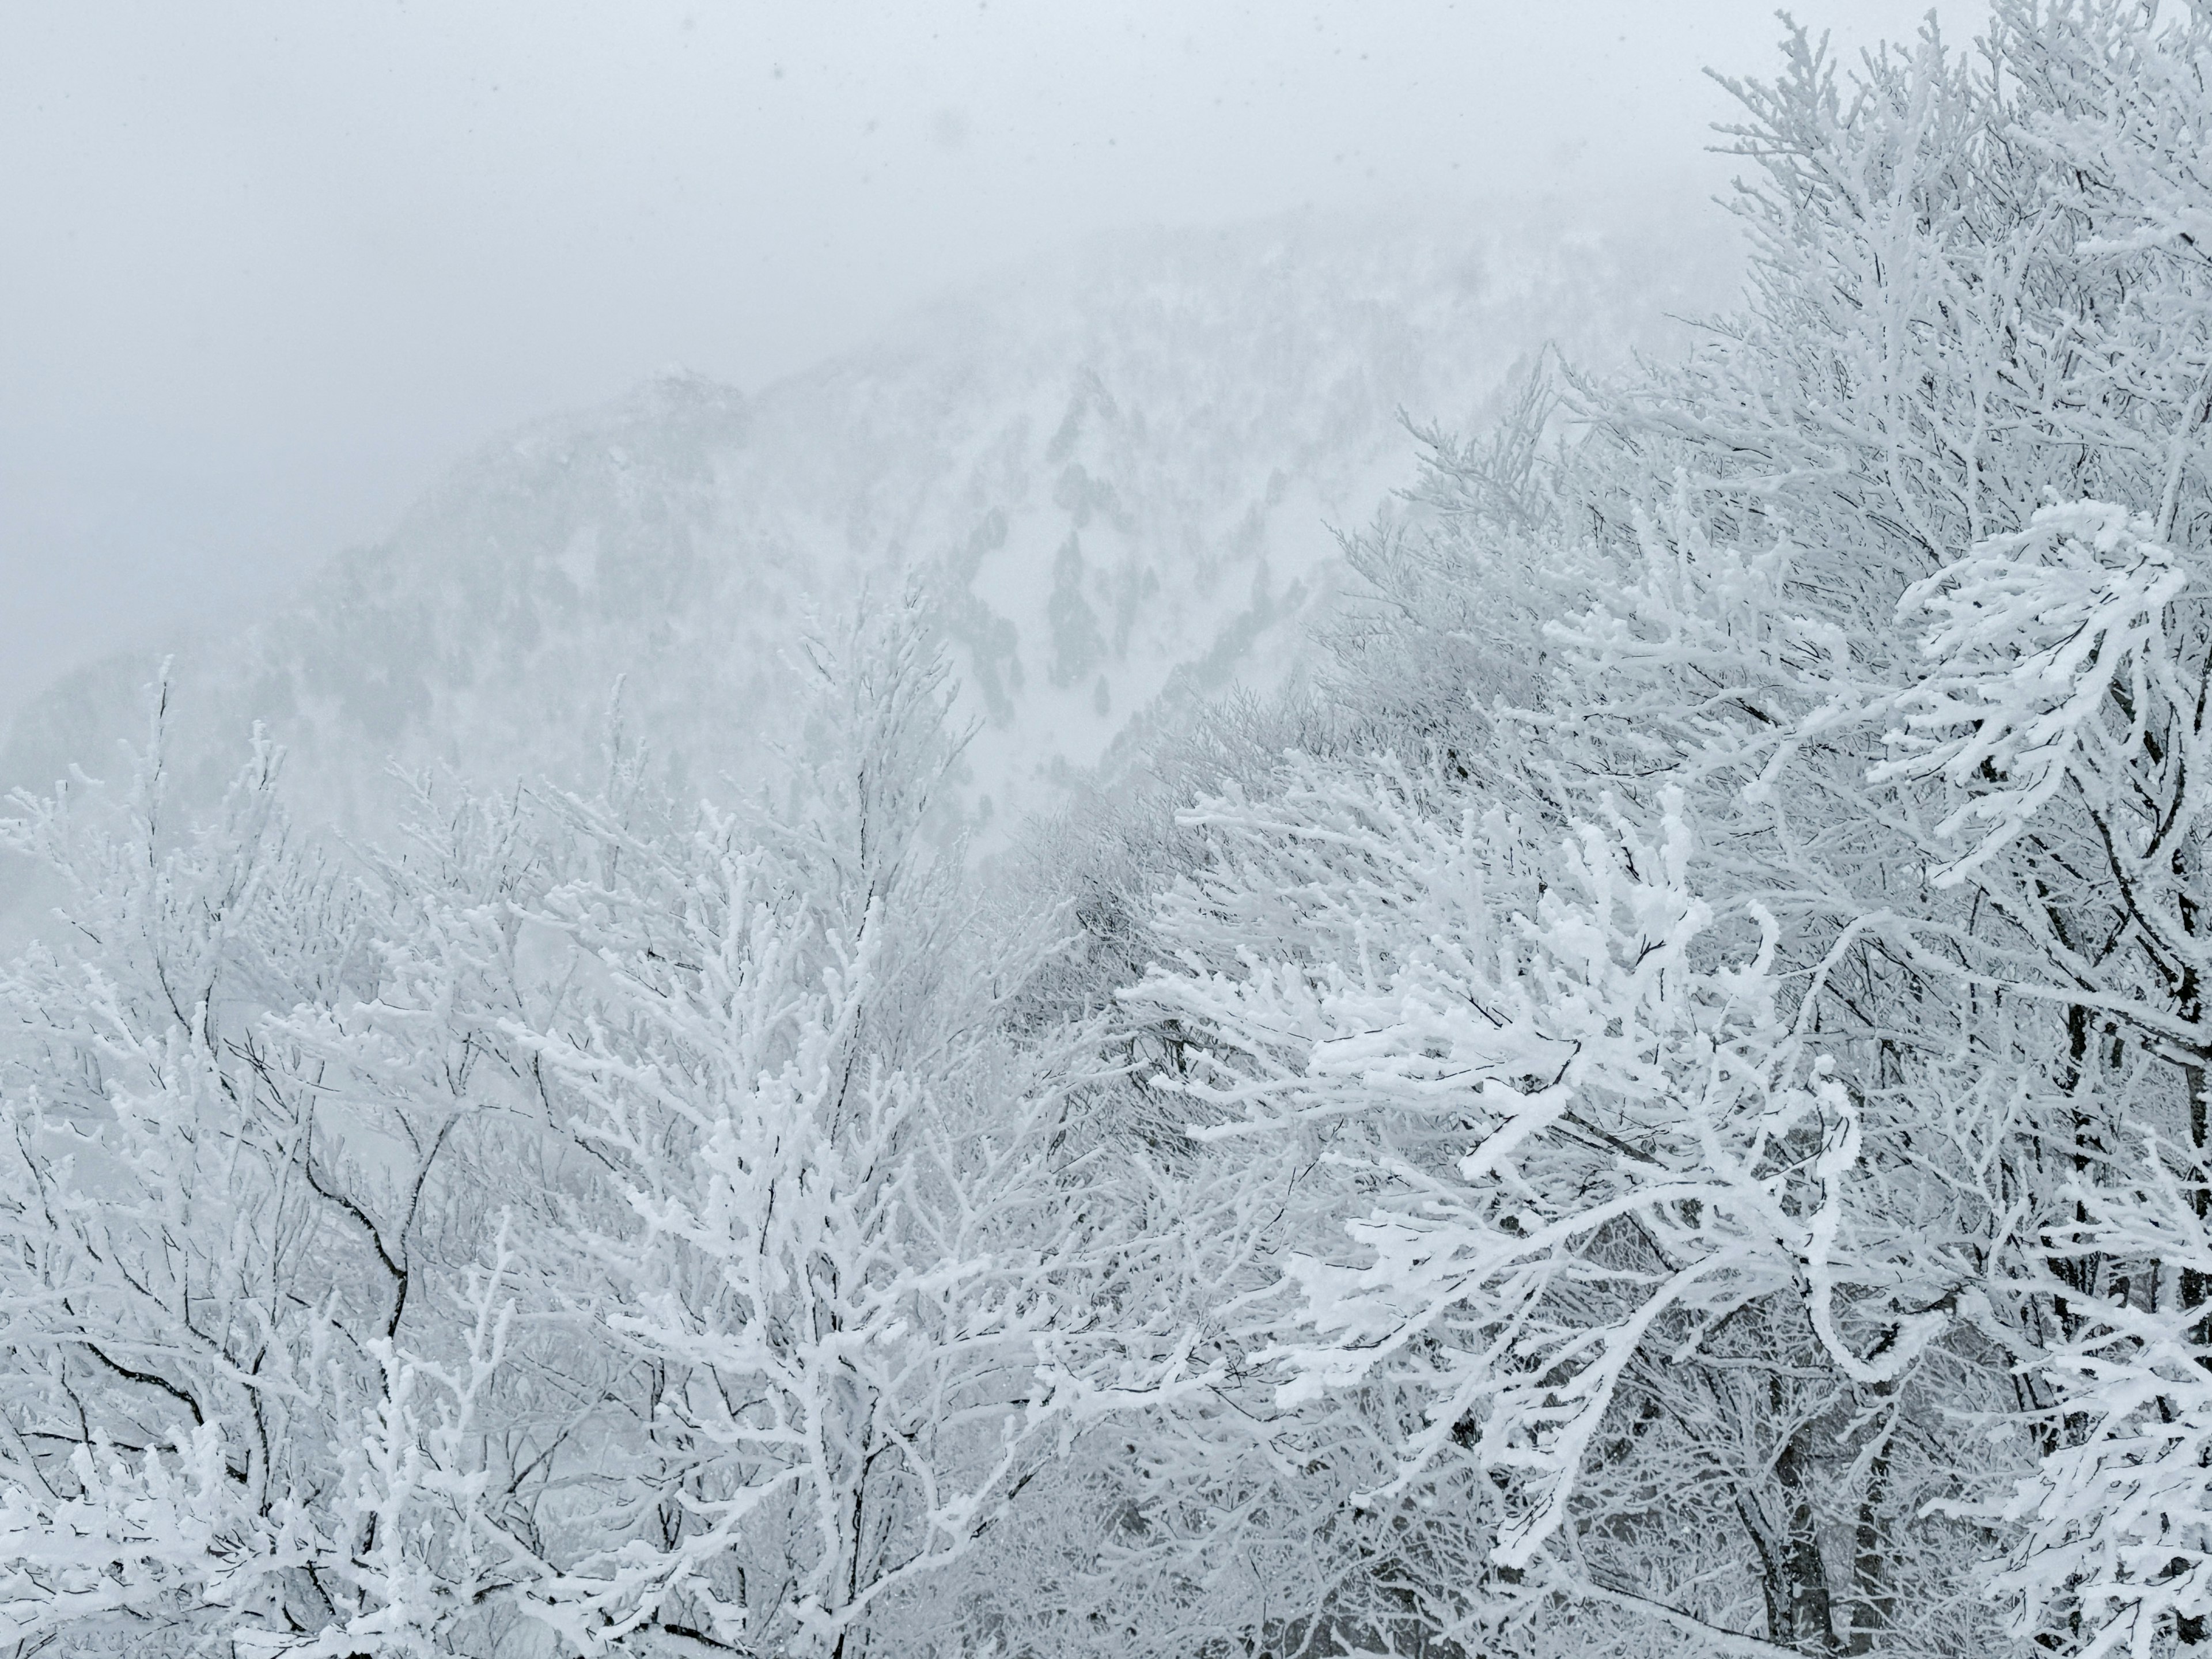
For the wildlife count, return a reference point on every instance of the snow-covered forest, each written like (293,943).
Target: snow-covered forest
(1650,1101)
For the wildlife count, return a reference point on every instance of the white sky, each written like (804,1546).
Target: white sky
(266,268)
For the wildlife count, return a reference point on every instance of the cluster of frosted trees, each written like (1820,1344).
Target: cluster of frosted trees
(1663,1112)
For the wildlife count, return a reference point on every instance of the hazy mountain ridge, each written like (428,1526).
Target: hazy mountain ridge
(1119,470)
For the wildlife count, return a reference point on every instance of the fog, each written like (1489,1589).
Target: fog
(1105,829)
(268,268)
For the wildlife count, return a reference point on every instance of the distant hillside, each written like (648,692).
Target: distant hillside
(1121,468)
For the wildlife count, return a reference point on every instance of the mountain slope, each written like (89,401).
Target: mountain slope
(1120,470)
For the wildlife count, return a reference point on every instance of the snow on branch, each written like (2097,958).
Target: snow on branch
(2049,661)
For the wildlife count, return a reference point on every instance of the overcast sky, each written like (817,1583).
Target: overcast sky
(266,269)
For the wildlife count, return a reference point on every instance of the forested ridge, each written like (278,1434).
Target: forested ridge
(1657,1106)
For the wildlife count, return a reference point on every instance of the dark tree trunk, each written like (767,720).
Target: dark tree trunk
(1870,1559)
(1804,1587)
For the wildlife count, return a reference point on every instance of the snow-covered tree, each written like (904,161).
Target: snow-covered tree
(857,1289)
(241,1393)
(1888,596)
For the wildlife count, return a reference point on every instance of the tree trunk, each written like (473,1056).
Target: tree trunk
(1812,1626)
(1870,1559)
(1798,1610)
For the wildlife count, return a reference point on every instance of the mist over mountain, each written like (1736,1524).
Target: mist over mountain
(1120,470)
(1321,940)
